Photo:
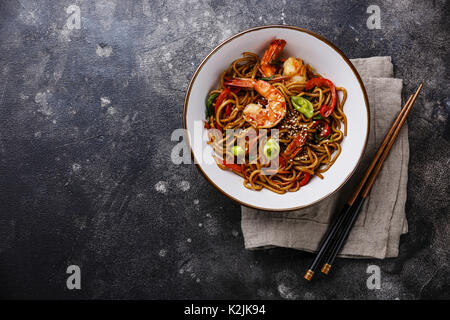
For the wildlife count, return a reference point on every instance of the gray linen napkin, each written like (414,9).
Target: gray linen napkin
(376,233)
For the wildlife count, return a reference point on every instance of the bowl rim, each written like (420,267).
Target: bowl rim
(237,35)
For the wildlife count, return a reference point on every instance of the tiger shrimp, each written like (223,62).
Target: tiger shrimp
(295,70)
(254,113)
(270,55)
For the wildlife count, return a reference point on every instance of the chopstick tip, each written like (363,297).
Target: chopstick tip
(309,274)
(326,268)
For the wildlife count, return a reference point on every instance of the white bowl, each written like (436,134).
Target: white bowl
(330,62)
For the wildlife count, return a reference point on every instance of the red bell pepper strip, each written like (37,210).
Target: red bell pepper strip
(232,166)
(305,179)
(221,98)
(228,110)
(325,128)
(225,94)
(282,162)
(295,146)
(325,110)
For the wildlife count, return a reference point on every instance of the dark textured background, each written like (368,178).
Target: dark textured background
(88,181)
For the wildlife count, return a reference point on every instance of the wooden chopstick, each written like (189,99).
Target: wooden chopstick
(338,232)
(329,238)
(348,224)
(380,150)
(376,170)
(350,208)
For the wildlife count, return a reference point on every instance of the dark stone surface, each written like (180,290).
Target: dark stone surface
(90,183)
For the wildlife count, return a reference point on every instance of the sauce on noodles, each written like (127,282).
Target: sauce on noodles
(316,140)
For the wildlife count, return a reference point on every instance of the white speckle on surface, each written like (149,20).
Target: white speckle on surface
(167,56)
(76,167)
(103,50)
(165,19)
(189,240)
(41,99)
(211,226)
(197,280)
(104,101)
(162,252)
(112,111)
(196,201)
(184,185)
(187,268)
(235,233)
(200,225)
(161,186)
(38,134)
(286,292)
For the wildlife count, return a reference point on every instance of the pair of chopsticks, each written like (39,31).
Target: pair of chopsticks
(337,234)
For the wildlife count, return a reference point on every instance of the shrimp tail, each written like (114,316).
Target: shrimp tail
(270,55)
(239,82)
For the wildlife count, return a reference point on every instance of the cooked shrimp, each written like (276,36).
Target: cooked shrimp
(295,70)
(254,113)
(270,55)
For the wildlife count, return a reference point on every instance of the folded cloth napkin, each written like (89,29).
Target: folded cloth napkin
(376,233)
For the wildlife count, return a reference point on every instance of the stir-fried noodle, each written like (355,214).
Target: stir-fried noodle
(264,94)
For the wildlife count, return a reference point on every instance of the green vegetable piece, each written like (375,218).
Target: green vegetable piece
(317,137)
(209,104)
(303,106)
(237,151)
(271,149)
(267,78)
